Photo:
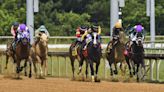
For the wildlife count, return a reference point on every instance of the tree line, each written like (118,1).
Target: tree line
(62,17)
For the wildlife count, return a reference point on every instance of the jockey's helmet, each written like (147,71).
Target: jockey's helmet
(139,28)
(22,27)
(94,28)
(118,25)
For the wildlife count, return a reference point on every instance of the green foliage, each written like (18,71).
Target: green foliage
(10,11)
(62,17)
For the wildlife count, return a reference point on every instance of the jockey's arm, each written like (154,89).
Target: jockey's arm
(83,36)
(99,30)
(12,31)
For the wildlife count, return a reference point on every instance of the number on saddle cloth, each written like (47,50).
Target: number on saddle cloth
(74,49)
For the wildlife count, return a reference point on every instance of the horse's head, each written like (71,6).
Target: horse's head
(25,37)
(95,38)
(140,38)
(43,39)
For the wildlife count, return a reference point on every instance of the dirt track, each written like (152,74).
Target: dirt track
(66,85)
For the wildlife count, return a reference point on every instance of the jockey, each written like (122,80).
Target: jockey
(79,32)
(41,29)
(132,34)
(13,31)
(22,28)
(14,28)
(87,36)
(115,34)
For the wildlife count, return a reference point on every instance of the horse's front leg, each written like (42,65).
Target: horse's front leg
(115,71)
(129,66)
(40,65)
(97,67)
(45,67)
(80,66)
(92,70)
(137,72)
(25,68)
(30,71)
(86,72)
(7,59)
(18,69)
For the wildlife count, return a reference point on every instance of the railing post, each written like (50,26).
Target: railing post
(59,66)
(66,67)
(151,70)
(51,66)
(157,69)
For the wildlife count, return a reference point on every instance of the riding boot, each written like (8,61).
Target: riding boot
(85,46)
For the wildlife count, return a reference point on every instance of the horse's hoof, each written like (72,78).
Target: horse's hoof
(115,72)
(97,79)
(25,74)
(137,79)
(30,75)
(73,78)
(93,79)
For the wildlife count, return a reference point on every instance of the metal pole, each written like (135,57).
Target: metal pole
(113,14)
(148,7)
(152,22)
(30,18)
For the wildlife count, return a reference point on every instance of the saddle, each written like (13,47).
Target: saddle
(74,49)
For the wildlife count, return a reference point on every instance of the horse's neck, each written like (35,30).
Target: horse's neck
(42,48)
(137,49)
(122,37)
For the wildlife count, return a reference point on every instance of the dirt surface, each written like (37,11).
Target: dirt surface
(66,85)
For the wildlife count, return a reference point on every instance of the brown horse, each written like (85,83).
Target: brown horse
(22,52)
(116,54)
(75,53)
(39,53)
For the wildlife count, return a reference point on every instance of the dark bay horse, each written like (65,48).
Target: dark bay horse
(136,57)
(39,54)
(116,53)
(22,52)
(75,52)
(93,55)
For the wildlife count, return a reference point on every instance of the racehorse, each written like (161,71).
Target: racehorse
(115,53)
(136,56)
(93,55)
(10,53)
(75,53)
(38,55)
(22,52)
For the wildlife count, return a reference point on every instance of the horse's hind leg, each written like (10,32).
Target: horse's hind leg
(73,67)
(30,72)
(7,59)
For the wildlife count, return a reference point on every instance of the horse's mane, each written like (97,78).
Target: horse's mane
(122,37)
